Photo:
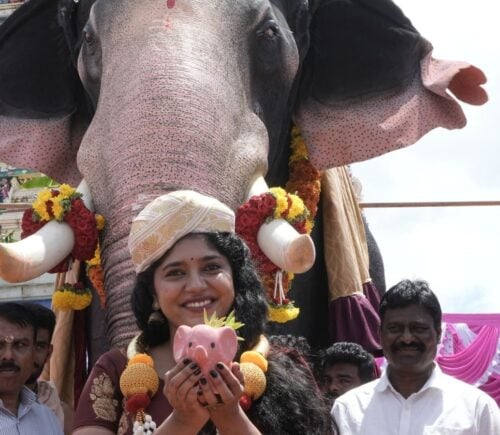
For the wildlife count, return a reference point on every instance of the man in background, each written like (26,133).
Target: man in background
(20,412)
(413,396)
(46,390)
(342,367)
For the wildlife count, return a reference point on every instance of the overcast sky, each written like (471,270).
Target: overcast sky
(456,249)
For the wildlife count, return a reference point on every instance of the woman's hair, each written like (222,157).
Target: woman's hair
(250,305)
(292,402)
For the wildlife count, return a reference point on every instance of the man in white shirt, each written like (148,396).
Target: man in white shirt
(20,413)
(413,396)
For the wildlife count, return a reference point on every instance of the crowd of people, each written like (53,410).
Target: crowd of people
(194,266)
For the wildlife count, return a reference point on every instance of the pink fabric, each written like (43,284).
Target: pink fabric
(352,131)
(48,146)
(467,365)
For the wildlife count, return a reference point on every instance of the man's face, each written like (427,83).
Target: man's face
(17,357)
(43,350)
(409,339)
(339,378)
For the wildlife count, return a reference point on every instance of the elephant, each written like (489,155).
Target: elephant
(142,98)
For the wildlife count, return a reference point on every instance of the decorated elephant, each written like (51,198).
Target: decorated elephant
(142,98)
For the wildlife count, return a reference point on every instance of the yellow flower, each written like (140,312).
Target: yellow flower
(297,209)
(96,259)
(281,201)
(57,208)
(283,314)
(309,225)
(66,190)
(40,204)
(299,147)
(100,222)
(63,299)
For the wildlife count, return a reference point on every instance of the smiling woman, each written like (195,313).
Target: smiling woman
(190,266)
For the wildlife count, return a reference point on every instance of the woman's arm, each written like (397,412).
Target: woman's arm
(181,389)
(92,430)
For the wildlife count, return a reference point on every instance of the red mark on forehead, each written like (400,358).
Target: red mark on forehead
(170,4)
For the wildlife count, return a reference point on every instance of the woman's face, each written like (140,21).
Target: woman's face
(193,277)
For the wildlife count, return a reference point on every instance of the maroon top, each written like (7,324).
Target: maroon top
(102,403)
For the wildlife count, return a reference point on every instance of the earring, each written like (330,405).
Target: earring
(156,317)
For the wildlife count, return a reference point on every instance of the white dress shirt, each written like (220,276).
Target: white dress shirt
(443,406)
(32,418)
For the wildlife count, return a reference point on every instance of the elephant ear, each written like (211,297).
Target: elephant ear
(227,343)
(370,85)
(40,93)
(180,342)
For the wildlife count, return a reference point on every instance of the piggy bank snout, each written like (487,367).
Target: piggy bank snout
(199,353)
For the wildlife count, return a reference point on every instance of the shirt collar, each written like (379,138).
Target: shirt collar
(435,380)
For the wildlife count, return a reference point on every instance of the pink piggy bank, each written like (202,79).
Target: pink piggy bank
(205,345)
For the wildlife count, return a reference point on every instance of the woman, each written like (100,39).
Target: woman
(190,261)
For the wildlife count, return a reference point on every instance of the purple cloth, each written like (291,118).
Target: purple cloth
(354,318)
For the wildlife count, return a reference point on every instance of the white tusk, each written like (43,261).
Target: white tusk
(282,243)
(40,252)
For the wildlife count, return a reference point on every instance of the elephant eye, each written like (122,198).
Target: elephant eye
(212,345)
(89,40)
(269,31)
(190,344)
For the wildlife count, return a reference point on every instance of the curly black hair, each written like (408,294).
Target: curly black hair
(346,352)
(249,305)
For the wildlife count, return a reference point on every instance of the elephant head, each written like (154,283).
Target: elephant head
(142,98)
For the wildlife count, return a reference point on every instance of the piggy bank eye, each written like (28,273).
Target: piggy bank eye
(212,345)
(190,344)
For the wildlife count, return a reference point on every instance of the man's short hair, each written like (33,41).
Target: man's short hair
(406,293)
(351,353)
(45,317)
(17,314)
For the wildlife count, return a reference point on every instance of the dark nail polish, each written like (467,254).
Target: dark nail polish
(219,366)
(203,381)
(193,366)
(213,373)
(186,361)
(197,372)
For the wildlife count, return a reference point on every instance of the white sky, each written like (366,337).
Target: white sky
(456,249)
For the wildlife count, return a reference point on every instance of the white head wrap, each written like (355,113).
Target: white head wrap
(170,217)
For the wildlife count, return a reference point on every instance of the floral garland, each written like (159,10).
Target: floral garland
(298,209)
(64,204)
(72,297)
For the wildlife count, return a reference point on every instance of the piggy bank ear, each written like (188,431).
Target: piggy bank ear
(180,342)
(227,343)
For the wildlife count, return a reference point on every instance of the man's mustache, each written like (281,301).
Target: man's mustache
(9,366)
(413,345)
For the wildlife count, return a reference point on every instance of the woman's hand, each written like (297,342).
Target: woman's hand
(223,389)
(181,390)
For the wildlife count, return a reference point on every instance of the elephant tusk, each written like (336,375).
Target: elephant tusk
(282,243)
(42,251)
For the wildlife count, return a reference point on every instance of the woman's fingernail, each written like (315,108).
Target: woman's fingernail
(213,373)
(203,381)
(200,392)
(193,366)
(197,372)
(219,366)
(186,361)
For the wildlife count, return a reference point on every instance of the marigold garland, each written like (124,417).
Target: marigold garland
(298,209)
(64,204)
(95,273)
(72,297)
